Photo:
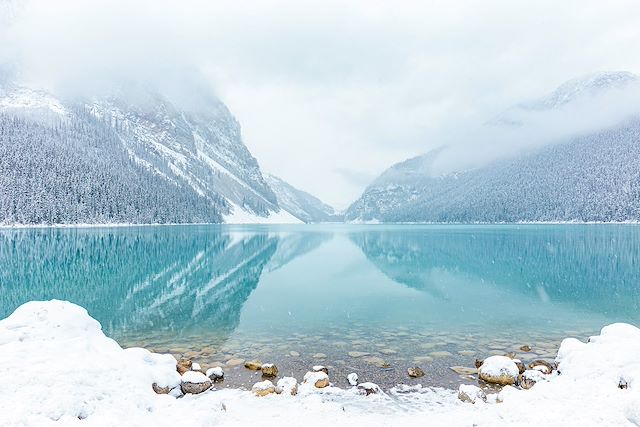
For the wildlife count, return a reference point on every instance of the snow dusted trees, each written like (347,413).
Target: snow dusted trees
(77,171)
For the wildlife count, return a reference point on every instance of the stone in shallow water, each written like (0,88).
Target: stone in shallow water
(215,373)
(269,370)
(415,372)
(235,362)
(377,361)
(387,351)
(294,354)
(358,353)
(253,365)
(440,354)
(463,370)
(467,353)
(319,356)
(525,348)
(499,370)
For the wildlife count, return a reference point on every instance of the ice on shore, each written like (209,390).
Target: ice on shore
(58,368)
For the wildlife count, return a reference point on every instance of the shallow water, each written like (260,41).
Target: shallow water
(368,299)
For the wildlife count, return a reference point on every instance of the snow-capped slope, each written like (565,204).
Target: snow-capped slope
(585,177)
(300,204)
(193,148)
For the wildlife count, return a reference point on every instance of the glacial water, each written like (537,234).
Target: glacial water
(368,299)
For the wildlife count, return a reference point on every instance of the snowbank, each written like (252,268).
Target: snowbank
(58,368)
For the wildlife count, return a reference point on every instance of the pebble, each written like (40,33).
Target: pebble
(294,354)
(358,353)
(319,356)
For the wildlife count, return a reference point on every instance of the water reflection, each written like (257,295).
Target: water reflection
(594,267)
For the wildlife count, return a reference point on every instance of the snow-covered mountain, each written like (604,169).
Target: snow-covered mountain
(132,156)
(301,204)
(591,176)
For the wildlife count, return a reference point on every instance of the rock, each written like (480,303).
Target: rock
(254,365)
(387,351)
(183,365)
(318,379)
(415,372)
(463,370)
(319,356)
(525,348)
(320,368)
(622,384)
(215,374)
(263,388)
(195,382)
(195,367)
(369,388)
(478,363)
(530,377)
(353,379)
(269,370)
(511,355)
(466,352)
(358,353)
(377,361)
(471,393)
(542,366)
(440,354)
(294,354)
(499,370)
(234,361)
(160,390)
(520,365)
(176,392)
(287,385)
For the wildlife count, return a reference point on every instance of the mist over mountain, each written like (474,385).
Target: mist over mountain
(579,166)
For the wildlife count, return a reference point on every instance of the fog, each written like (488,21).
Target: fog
(329,94)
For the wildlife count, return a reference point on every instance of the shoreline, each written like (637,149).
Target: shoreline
(59,366)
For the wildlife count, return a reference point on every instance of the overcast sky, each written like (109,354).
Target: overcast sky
(331,93)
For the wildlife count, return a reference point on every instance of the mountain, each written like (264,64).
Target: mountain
(300,204)
(132,156)
(591,176)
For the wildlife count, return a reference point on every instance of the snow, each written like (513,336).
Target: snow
(58,368)
(240,216)
(194,377)
(353,378)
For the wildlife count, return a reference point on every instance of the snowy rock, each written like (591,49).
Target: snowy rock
(530,377)
(263,388)
(195,366)
(254,365)
(318,379)
(320,368)
(195,382)
(542,366)
(160,390)
(287,385)
(369,388)
(415,372)
(184,365)
(215,374)
(520,365)
(499,370)
(471,393)
(269,370)
(353,379)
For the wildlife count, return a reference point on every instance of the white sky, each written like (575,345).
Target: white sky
(331,93)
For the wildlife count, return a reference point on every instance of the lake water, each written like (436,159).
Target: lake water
(368,299)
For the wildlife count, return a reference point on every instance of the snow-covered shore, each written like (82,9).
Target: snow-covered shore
(58,368)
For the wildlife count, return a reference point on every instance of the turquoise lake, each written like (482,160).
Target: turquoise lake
(368,299)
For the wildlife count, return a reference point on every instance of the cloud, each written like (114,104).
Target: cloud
(322,87)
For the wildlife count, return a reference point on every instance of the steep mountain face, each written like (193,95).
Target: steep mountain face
(590,177)
(300,204)
(133,157)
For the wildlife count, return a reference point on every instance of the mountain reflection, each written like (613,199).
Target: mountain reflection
(592,266)
(136,279)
